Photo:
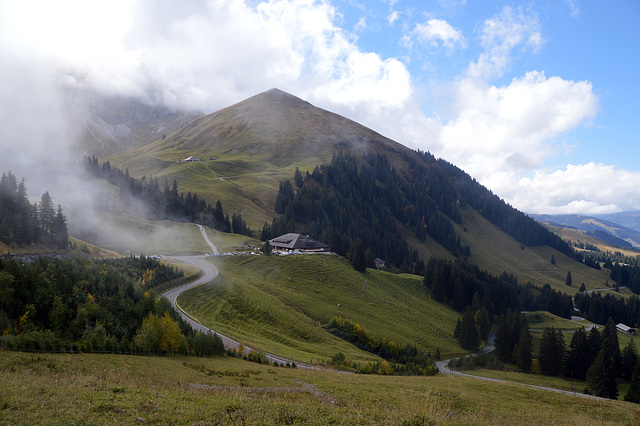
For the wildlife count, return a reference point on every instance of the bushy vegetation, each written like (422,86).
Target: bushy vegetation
(403,359)
(24,223)
(94,305)
(471,362)
(168,202)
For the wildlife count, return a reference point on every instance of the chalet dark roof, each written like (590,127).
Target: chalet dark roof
(297,242)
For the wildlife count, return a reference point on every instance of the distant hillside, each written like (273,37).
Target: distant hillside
(604,230)
(629,220)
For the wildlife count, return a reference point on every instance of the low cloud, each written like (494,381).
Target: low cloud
(209,55)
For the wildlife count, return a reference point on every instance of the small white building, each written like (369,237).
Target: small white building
(625,328)
(189,159)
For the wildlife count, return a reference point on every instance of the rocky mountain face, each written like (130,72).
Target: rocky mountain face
(111,125)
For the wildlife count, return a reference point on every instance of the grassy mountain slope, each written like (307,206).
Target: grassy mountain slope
(281,303)
(247,149)
(496,252)
(256,144)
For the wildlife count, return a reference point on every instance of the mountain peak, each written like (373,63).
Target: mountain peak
(274,97)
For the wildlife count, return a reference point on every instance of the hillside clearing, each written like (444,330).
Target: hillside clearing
(280,304)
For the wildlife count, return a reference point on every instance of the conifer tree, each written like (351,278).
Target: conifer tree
(46,212)
(569,281)
(610,337)
(633,394)
(629,360)
(578,358)
(552,352)
(59,231)
(358,259)
(601,376)
(524,359)
(468,334)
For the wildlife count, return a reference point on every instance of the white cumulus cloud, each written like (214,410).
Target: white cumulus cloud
(435,33)
(591,188)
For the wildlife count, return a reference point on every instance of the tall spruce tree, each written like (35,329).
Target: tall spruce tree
(578,360)
(601,376)
(551,354)
(358,258)
(610,337)
(46,212)
(468,334)
(524,359)
(633,394)
(59,231)
(629,360)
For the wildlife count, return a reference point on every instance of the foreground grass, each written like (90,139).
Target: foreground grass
(281,303)
(116,389)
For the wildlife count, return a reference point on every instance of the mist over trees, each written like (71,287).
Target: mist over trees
(23,223)
(166,202)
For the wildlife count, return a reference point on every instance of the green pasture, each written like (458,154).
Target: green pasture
(122,389)
(281,304)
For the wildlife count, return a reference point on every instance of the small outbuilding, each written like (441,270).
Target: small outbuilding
(625,329)
(189,159)
(291,243)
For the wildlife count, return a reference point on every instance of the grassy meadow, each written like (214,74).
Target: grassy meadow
(281,304)
(122,389)
(496,252)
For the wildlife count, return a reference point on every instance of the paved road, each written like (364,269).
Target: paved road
(603,289)
(210,272)
(443,367)
(214,249)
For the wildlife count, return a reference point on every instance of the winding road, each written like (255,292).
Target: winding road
(209,273)
(443,368)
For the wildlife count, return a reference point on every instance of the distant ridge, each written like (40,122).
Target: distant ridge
(598,228)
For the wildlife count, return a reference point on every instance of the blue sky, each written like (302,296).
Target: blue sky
(538,100)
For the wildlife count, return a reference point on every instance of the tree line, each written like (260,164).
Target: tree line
(455,187)
(94,305)
(347,200)
(166,202)
(599,308)
(592,355)
(22,222)
(463,285)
